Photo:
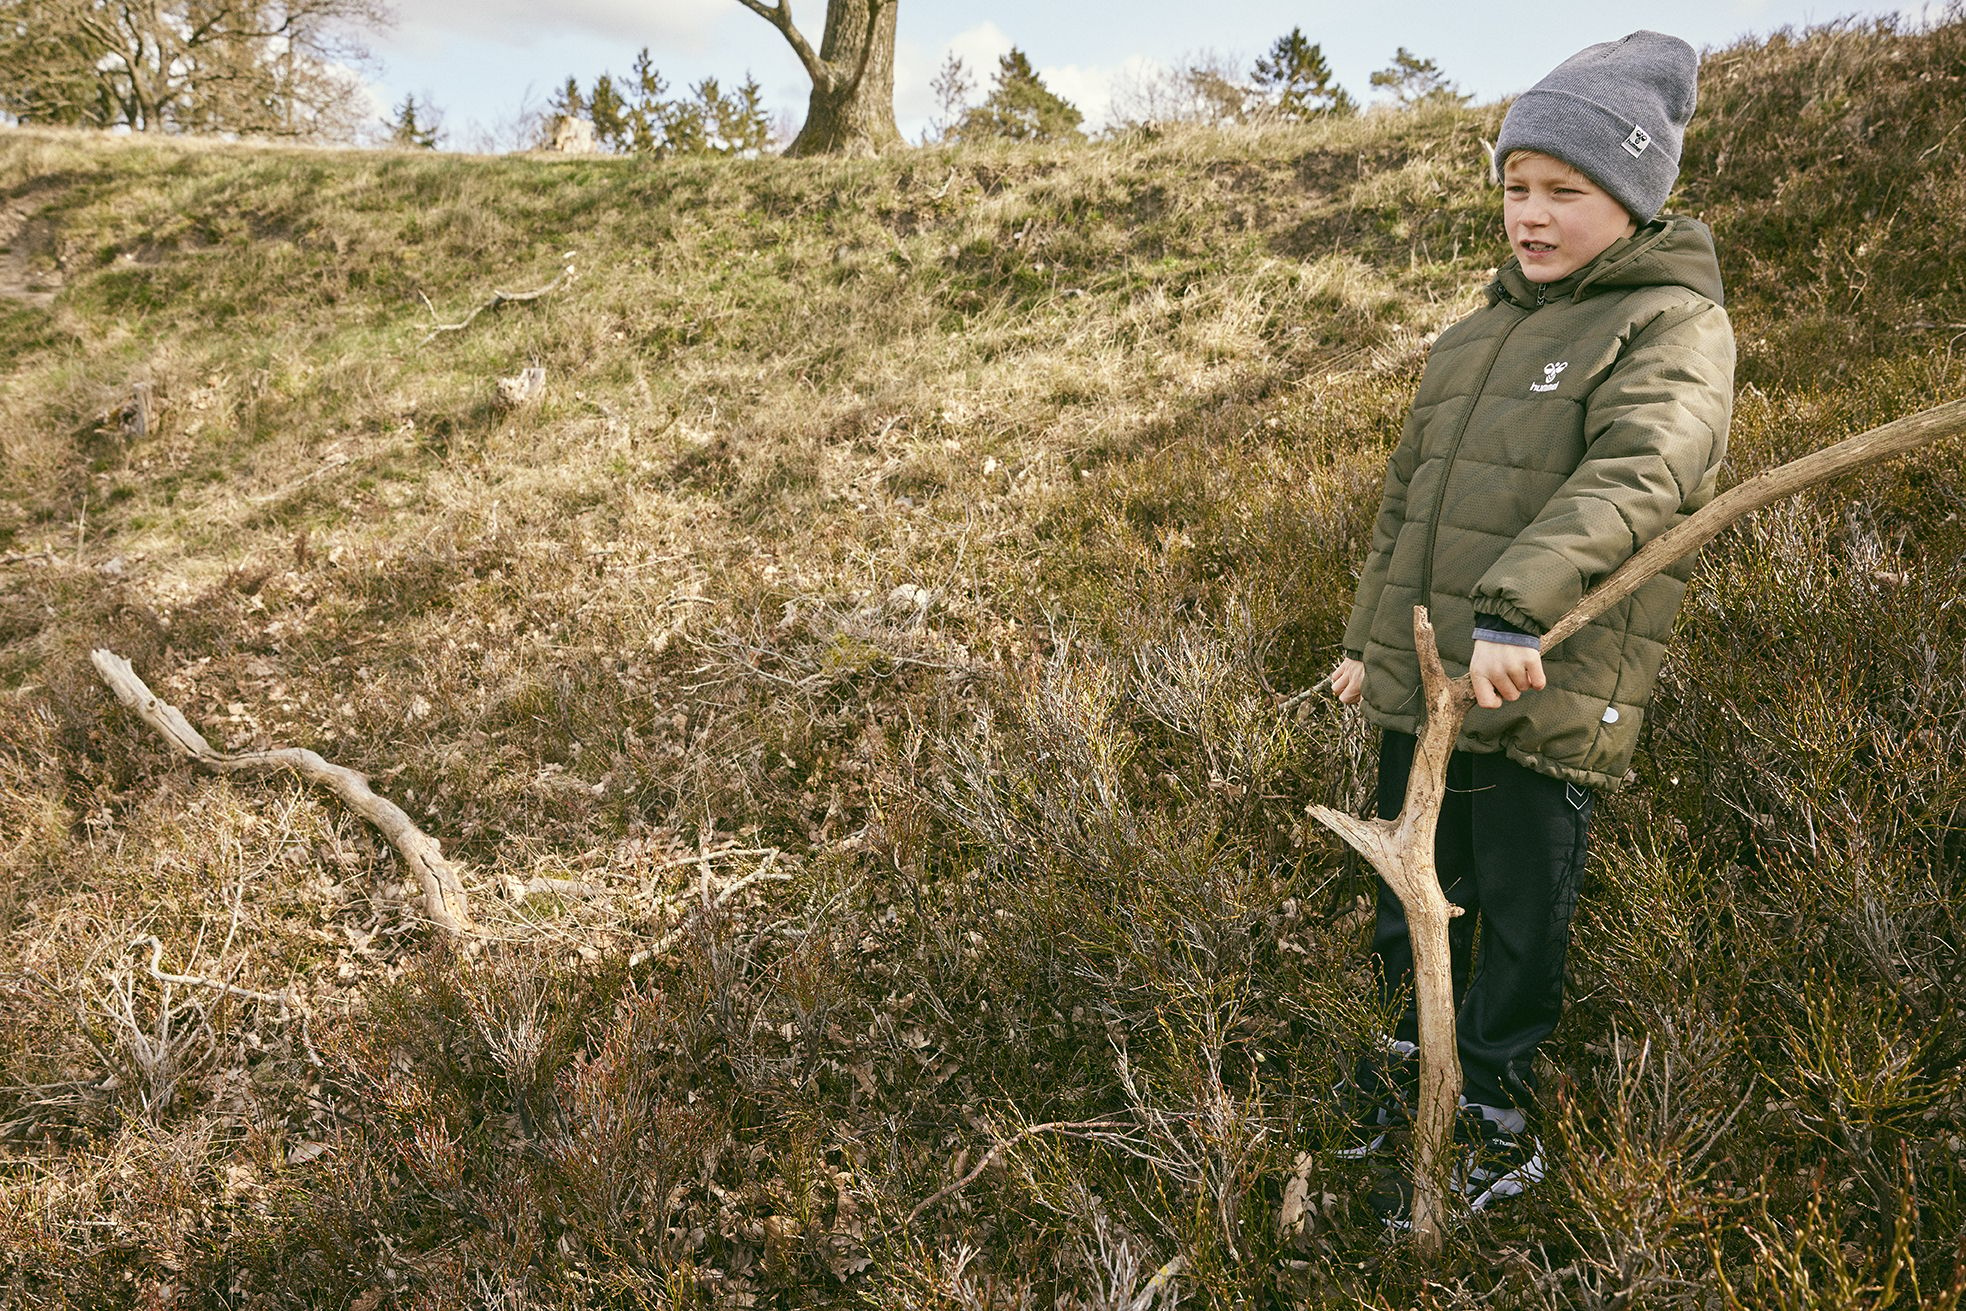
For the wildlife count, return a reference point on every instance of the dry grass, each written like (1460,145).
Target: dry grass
(949,526)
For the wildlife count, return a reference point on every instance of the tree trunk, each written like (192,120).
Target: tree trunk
(852,108)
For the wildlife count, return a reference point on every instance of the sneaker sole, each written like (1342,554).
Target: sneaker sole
(1512,1184)
(1363,1150)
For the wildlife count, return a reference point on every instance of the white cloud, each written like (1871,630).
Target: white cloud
(428,26)
(1093,88)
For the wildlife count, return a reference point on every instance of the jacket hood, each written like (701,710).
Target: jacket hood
(1671,251)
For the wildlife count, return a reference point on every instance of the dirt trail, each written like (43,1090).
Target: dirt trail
(28,272)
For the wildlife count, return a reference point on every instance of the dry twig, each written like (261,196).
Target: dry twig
(497,298)
(444,898)
(333,461)
(283,998)
(764,873)
(1004,1145)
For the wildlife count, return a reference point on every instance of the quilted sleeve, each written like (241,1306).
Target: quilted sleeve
(1385,529)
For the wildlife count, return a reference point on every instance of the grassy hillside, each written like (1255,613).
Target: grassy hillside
(935,539)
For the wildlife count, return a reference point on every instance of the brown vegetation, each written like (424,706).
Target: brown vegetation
(952,525)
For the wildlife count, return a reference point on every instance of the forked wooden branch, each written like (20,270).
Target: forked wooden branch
(444,898)
(1402,850)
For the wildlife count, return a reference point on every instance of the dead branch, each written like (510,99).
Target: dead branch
(703,859)
(518,889)
(764,873)
(1004,1145)
(1150,1292)
(1742,499)
(444,898)
(1402,850)
(282,999)
(497,298)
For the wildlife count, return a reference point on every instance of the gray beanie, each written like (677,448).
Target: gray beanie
(1615,112)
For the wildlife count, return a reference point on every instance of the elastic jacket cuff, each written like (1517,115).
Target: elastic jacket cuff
(1494,628)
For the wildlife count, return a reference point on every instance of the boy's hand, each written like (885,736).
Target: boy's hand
(1348,681)
(1501,672)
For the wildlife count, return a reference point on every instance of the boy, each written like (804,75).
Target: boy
(1576,416)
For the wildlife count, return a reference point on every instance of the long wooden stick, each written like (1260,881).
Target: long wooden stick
(1765,488)
(444,898)
(1402,850)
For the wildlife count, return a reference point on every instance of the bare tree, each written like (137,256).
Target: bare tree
(852,107)
(261,67)
(953,87)
(1205,86)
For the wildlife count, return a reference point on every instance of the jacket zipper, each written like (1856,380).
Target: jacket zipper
(1454,449)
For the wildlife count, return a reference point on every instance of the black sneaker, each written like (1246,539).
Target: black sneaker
(1499,1163)
(1376,1103)
(1494,1164)
(1371,1127)
(1391,1195)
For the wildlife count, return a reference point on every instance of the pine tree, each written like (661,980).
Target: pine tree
(639,115)
(416,127)
(1297,80)
(1021,107)
(1417,81)
(610,114)
(737,120)
(568,102)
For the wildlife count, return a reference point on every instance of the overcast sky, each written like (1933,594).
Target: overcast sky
(483,62)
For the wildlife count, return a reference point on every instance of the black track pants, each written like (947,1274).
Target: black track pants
(1509,850)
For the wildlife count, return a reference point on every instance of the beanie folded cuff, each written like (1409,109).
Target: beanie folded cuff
(1631,164)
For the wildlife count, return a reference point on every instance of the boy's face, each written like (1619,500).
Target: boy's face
(1557,219)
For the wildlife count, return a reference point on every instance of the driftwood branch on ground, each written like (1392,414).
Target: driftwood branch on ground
(444,898)
(1402,850)
(281,999)
(497,298)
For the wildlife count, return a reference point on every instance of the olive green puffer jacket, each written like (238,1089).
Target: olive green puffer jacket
(1556,431)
